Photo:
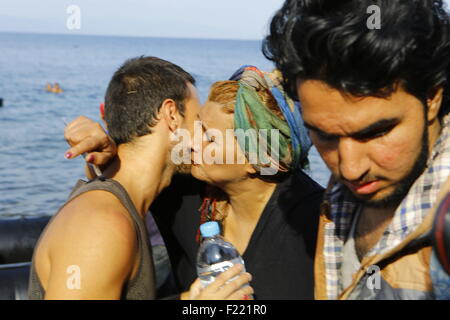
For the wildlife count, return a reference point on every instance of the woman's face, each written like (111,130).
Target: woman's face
(216,157)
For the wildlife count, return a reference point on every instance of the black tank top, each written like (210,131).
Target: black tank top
(142,286)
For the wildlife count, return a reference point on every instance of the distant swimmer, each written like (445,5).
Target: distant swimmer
(54,89)
(57,88)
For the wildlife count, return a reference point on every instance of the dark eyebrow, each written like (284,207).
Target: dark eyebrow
(364,133)
(375,128)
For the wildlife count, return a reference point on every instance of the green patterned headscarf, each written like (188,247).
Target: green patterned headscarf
(271,144)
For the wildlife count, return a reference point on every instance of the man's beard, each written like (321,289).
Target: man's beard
(401,190)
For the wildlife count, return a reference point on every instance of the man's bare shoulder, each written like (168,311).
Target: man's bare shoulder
(95,232)
(91,214)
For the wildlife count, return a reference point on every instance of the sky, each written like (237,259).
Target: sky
(213,19)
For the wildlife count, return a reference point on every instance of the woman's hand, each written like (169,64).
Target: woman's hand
(87,136)
(222,288)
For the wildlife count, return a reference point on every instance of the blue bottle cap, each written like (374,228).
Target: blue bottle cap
(210,229)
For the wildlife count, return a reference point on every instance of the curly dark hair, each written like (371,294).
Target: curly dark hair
(328,40)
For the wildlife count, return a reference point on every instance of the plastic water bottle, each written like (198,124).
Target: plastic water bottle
(215,255)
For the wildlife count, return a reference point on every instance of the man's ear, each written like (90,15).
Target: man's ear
(169,112)
(434,103)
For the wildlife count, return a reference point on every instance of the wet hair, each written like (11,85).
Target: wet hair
(329,41)
(136,92)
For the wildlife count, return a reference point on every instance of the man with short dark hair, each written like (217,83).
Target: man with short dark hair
(376,102)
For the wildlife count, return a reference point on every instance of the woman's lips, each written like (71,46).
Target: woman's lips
(366,188)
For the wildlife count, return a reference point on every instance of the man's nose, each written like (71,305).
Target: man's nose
(353,159)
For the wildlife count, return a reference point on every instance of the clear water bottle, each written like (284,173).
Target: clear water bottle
(215,255)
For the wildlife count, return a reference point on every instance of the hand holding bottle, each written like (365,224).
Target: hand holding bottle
(229,285)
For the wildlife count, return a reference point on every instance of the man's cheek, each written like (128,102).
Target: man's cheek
(395,156)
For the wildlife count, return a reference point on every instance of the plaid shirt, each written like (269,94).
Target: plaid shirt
(408,216)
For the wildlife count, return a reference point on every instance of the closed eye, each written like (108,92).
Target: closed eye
(208,137)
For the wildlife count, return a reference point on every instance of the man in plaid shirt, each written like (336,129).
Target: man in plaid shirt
(376,98)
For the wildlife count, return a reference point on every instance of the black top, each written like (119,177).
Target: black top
(280,253)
